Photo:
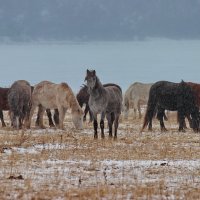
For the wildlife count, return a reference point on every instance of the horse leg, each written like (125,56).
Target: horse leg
(181,120)
(150,117)
(37,120)
(56,117)
(135,112)
(116,123)
(109,119)
(2,120)
(61,117)
(41,113)
(90,113)
(160,117)
(126,111)
(189,120)
(51,124)
(31,115)
(85,112)
(95,125)
(139,110)
(102,125)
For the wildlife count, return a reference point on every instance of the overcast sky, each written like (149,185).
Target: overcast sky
(24,20)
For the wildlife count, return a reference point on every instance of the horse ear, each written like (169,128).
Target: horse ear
(88,71)
(94,73)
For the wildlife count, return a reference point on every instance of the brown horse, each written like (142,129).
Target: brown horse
(196,91)
(19,101)
(83,98)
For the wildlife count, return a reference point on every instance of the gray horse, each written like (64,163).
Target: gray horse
(19,101)
(106,101)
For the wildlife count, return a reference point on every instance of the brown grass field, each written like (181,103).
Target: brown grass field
(70,164)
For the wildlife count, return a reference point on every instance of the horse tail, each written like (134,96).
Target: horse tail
(165,117)
(151,109)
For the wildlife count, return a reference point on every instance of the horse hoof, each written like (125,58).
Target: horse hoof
(52,125)
(163,130)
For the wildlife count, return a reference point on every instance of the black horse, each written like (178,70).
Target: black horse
(179,97)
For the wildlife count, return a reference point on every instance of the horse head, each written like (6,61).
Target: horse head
(91,79)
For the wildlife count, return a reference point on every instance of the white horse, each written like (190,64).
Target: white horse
(48,95)
(136,95)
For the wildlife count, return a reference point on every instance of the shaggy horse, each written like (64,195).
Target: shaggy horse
(3,103)
(136,95)
(5,107)
(166,95)
(104,100)
(19,101)
(83,98)
(48,95)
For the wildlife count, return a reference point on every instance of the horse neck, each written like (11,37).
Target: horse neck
(98,89)
(73,103)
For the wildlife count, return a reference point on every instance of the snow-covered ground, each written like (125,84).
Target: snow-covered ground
(64,164)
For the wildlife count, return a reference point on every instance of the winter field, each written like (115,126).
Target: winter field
(70,164)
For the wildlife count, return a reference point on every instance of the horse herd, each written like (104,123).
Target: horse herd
(21,100)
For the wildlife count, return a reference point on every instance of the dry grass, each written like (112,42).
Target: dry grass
(70,164)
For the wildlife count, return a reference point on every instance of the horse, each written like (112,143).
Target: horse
(83,98)
(48,95)
(136,95)
(5,107)
(174,97)
(196,90)
(106,101)
(19,101)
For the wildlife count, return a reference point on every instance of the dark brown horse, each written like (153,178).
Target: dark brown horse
(83,98)
(196,91)
(179,97)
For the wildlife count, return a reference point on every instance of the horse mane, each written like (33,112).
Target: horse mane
(83,86)
(73,103)
(112,84)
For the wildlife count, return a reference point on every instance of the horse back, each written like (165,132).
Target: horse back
(138,92)
(114,98)
(112,84)
(171,95)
